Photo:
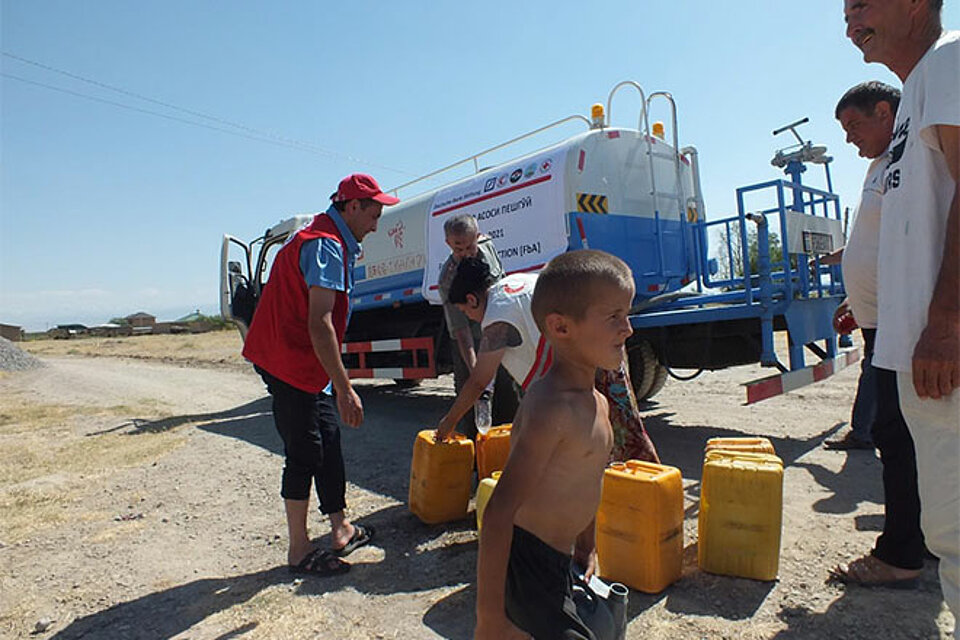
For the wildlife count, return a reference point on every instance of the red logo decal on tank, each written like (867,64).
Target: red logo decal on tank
(397,234)
(508,289)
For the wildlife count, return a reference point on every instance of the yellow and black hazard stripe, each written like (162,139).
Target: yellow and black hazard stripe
(591,203)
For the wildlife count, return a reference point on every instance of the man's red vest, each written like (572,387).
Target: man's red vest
(279,339)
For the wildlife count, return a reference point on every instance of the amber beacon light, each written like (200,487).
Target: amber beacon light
(597,115)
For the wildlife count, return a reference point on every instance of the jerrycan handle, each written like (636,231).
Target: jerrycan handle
(633,466)
(637,468)
(453,438)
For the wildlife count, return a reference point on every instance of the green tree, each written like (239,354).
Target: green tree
(215,322)
(735,270)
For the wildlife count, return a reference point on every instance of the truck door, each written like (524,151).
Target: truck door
(238,292)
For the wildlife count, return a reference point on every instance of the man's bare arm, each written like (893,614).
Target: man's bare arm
(832,258)
(480,377)
(464,339)
(936,358)
(493,343)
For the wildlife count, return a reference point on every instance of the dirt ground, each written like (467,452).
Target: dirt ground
(139,483)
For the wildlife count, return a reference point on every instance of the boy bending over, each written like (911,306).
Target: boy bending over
(542,514)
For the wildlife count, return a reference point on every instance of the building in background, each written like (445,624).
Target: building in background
(67,331)
(141,322)
(11,332)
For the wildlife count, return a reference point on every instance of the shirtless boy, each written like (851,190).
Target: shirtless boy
(542,515)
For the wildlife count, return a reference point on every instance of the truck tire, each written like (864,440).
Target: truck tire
(659,379)
(646,372)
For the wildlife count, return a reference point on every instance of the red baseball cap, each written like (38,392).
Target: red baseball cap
(359,186)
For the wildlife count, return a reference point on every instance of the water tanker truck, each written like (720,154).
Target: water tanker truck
(710,294)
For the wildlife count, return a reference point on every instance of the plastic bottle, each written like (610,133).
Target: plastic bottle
(482,416)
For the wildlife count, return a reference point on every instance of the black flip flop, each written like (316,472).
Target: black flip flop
(362,535)
(320,562)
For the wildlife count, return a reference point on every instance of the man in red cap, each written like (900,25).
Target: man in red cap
(294,344)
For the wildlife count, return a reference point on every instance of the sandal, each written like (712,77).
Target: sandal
(870,571)
(320,562)
(362,534)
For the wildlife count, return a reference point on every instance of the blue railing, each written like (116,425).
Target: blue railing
(771,288)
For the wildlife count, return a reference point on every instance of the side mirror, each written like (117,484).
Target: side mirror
(234,268)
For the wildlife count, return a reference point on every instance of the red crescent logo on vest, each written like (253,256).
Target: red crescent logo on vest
(511,290)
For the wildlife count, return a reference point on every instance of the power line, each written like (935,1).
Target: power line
(251,133)
(139,110)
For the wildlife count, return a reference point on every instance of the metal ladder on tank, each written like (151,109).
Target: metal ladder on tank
(682,201)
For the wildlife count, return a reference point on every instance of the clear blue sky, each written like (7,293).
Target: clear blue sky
(105,211)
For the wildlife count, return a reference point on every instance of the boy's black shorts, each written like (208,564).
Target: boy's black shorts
(539,590)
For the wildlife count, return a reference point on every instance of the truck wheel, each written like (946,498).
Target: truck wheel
(659,379)
(646,372)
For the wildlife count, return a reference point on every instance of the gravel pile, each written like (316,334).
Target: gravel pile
(12,358)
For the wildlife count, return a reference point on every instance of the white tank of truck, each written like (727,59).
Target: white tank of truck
(628,191)
(622,190)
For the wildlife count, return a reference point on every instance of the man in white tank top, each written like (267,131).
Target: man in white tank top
(509,335)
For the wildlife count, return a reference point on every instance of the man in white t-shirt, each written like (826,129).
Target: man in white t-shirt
(918,277)
(866,112)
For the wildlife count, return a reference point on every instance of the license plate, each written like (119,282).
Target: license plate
(814,242)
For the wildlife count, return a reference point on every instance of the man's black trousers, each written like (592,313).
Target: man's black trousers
(310,429)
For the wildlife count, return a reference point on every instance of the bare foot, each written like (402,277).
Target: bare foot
(870,571)
(297,553)
(339,536)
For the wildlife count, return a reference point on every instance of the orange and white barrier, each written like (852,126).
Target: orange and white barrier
(782,383)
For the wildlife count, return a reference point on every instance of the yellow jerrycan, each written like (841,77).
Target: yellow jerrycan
(741,509)
(440,477)
(640,525)
(484,491)
(493,448)
(748,445)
